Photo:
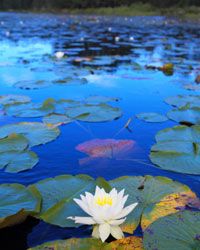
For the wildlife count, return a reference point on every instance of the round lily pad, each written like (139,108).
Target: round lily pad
(16,203)
(56,119)
(37,133)
(17,161)
(100,99)
(183,100)
(177,150)
(156,197)
(178,231)
(152,117)
(185,115)
(30,109)
(13,142)
(30,85)
(13,99)
(129,243)
(94,113)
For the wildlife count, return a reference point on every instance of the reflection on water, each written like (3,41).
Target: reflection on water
(111,53)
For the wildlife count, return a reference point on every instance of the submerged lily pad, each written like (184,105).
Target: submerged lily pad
(156,197)
(94,113)
(56,119)
(177,149)
(13,99)
(152,117)
(17,161)
(32,84)
(16,203)
(178,231)
(13,142)
(30,109)
(185,115)
(37,133)
(57,198)
(129,243)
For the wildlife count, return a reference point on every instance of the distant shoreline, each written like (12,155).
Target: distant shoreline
(188,13)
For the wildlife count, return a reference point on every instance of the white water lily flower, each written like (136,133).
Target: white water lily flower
(59,54)
(106,212)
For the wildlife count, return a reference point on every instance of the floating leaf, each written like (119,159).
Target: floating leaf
(30,109)
(178,231)
(71,81)
(32,84)
(152,117)
(13,142)
(37,133)
(177,150)
(183,100)
(100,99)
(13,99)
(56,119)
(191,87)
(129,243)
(185,115)
(16,203)
(17,161)
(94,113)
(57,198)
(157,197)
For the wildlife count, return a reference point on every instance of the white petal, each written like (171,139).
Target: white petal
(82,205)
(126,211)
(83,220)
(95,232)
(104,231)
(116,232)
(117,222)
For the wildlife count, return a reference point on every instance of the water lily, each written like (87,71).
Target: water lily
(59,54)
(106,211)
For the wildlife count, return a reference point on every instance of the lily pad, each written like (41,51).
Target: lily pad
(13,142)
(156,197)
(181,101)
(37,133)
(71,81)
(13,99)
(185,115)
(57,198)
(30,85)
(152,117)
(30,109)
(16,203)
(17,161)
(177,150)
(94,113)
(56,119)
(100,99)
(178,231)
(129,243)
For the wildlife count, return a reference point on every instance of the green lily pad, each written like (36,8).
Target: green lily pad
(177,150)
(71,81)
(129,243)
(13,142)
(57,198)
(30,85)
(100,99)
(94,113)
(16,203)
(185,115)
(30,109)
(156,197)
(17,161)
(181,101)
(56,119)
(178,231)
(152,117)
(37,133)
(13,99)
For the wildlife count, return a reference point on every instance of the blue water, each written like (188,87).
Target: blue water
(27,46)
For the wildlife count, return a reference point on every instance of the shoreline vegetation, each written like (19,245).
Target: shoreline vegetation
(189,12)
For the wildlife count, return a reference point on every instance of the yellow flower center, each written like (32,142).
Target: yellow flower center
(102,201)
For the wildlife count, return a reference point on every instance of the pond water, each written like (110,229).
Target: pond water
(120,48)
